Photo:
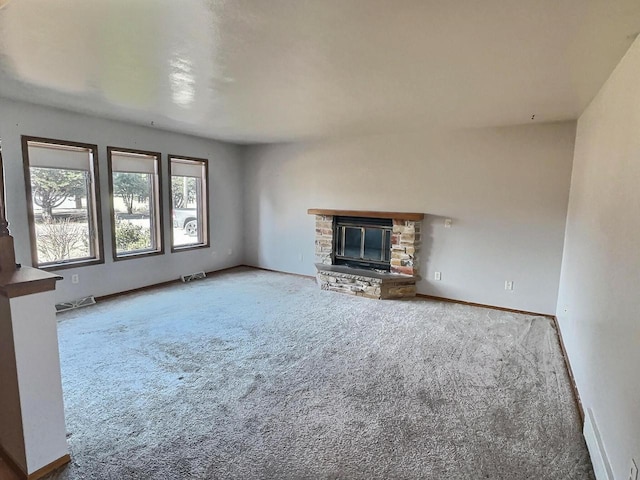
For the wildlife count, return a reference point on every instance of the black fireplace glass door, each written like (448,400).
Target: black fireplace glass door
(372,244)
(363,242)
(352,242)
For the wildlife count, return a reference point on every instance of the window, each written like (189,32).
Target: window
(64,202)
(136,212)
(189,202)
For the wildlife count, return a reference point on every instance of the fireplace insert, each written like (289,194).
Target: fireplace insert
(362,242)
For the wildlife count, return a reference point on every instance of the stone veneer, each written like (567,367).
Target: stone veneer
(405,246)
(365,283)
(324,239)
(399,283)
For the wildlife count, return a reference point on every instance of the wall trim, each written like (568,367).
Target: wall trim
(423,295)
(482,305)
(312,277)
(158,285)
(12,464)
(567,362)
(47,469)
(137,290)
(41,472)
(595,446)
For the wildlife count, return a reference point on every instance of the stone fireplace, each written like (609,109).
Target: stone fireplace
(371,254)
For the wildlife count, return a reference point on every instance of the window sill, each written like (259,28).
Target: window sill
(130,256)
(70,264)
(189,247)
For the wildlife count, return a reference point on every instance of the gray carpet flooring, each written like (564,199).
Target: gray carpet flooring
(258,375)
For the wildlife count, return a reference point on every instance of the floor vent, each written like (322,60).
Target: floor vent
(193,276)
(598,454)
(73,304)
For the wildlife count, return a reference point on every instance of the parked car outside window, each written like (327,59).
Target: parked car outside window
(187,219)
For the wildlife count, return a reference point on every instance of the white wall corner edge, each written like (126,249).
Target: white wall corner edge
(597,452)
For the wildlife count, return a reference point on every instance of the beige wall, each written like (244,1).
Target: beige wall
(17,118)
(599,302)
(506,190)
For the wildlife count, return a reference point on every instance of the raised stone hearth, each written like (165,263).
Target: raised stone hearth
(365,283)
(402,256)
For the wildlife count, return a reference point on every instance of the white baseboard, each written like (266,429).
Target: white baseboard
(599,459)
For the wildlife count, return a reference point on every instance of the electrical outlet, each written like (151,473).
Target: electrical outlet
(447,223)
(300,257)
(75,279)
(508,285)
(633,474)
(438,276)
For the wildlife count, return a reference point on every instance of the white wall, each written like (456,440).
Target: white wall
(599,302)
(506,190)
(225,183)
(37,361)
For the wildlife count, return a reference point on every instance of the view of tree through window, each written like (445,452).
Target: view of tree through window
(62,221)
(62,201)
(135,202)
(188,194)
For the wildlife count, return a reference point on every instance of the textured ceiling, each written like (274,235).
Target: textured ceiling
(281,70)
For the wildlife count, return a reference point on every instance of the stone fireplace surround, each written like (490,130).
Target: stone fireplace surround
(400,282)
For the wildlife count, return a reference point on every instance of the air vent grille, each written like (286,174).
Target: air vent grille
(73,304)
(193,276)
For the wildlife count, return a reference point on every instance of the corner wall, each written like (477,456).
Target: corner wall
(506,190)
(599,302)
(225,186)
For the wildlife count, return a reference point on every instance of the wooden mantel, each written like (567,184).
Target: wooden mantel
(367,214)
(26,281)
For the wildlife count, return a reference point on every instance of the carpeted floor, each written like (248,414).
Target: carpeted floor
(258,375)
